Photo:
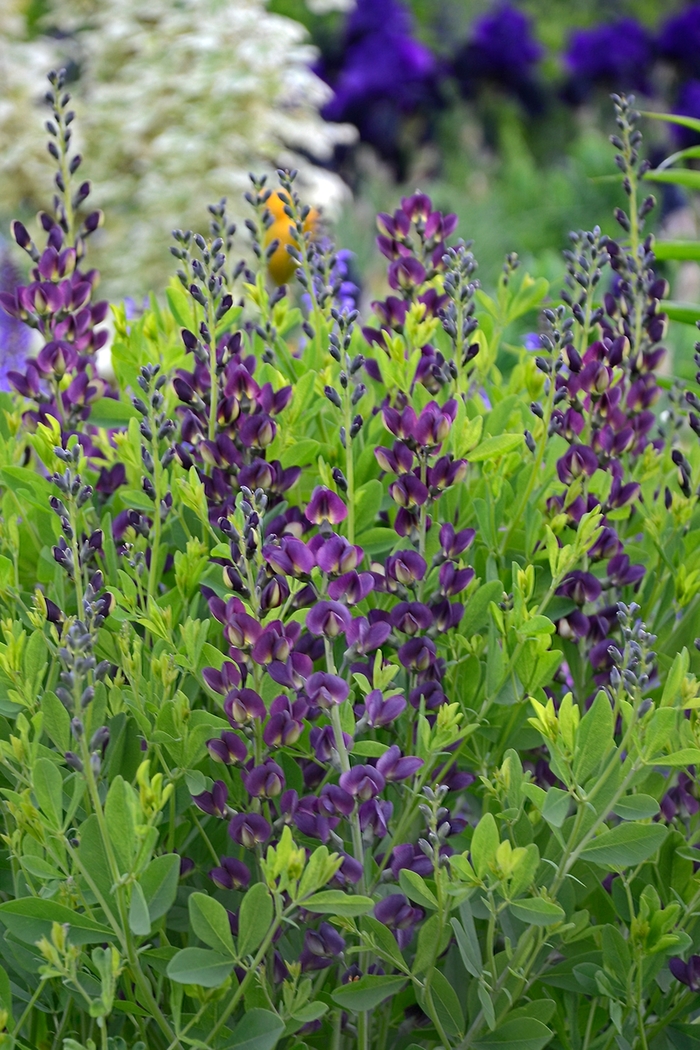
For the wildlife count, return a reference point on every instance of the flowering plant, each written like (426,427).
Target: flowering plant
(346,669)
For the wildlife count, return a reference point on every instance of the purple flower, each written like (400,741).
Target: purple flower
(405,567)
(454,580)
(264,781)
(455,543)
(352,586)
(329,619)
(231,875)
(399,915)
(213,802)
(417,654)
(686,972)
(242,706)
(687,104)
(393,766)
(222,681)
(411,617)
(365,637)
(228,748)
(382,712)
(325,506)
(14,335)
(618,55)
(249,829)
(679,39)
(321,948)
(501,50)
(348,874)
(581,587)
(363,782)
(578,460)
(327,690)
(375,815)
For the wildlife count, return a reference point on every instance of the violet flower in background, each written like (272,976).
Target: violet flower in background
(15,336)
(502,50)
(679,39)
(687,104)
(616,55)
(381,74)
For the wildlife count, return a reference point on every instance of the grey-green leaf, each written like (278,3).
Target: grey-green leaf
(254,918)
(209,920)
(199,966)
(159,884)
(625,845)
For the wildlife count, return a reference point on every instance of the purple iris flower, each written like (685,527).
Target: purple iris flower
(381,74)
(679,39)
(503,51)
(618,55)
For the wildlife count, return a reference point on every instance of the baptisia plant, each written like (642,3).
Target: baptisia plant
(347,662)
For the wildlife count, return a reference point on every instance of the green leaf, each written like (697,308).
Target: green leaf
(688,756)
(416,889)
(109,413)
(93,857)
(209,920)
(524,1033)
(625,845)
(120,822)
(636,807)
(257,1030)
(686,313)
(30,918)
(56,722)
(447,1008)
(368,500)
(476,613)
(337,902)
(485,842)
(159,884)
(139,919)
(384,940)
(687,177)
(367,993)
(6,997)
(556,806)
(47,783)
(467,940)
(493,447)
(254,918)
(677,250)
(594,737)
(369,748)
(199,966)
(537,912)
(673,118)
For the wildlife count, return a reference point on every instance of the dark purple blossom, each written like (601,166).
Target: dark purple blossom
(329,619)
(617,55)
(686,972)
(249,829)
(363,782)
(231,875)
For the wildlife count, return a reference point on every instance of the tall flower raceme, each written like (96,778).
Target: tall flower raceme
(61,381)
(285,759)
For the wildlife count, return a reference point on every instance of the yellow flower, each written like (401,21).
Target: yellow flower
(280,265)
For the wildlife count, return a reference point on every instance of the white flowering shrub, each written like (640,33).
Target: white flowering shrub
(181,101)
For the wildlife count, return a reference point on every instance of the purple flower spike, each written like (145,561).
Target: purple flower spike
(687,973)
(228,749)
(249,829)
(213,802)
(329,619)
(363,782)
(327,690)
(325,506)
(232,875)
(393,766)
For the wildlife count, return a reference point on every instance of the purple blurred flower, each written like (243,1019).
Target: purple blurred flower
(617,55)
(501,50)
(679,39)
(686,972)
